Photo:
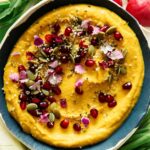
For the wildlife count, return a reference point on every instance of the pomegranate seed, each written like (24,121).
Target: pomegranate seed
(78,90)
(58,69)
(77,59)
(56,28)
(58,40)
(104,28)
(41,96)
(21,68)
(94,112)
(63,103)
(30,55)
(56,90)
(118,36)
(23,105)
(43,111)
(68,30)
(112,104)
(22,86)
(38,78)
(102,97)
(50,124)
(43,104)
(94,42)
(34,113)
(35,100)
(47,85)
(23,97)
(51,99)
(82,52)
(90,63)
(47,51)
(77,127)
(90,29)
(64,59)
(49,38)
(32,67)
(109,98)
(52,58)
(64,49)
(103,65)
(64,123)
(111,63)
(127,86)
(82,45)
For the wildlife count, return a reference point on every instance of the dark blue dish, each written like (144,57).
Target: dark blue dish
(136,115)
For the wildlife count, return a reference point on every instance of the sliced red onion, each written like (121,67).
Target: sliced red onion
(54,64)
(15,54)
(55,79)
(96,30)
(14,77)
(36,85)
(115,55)
(44,118)
(79,83)
(37,41)
(103,65)
(79,69)
(85,121)
(22,75)
(106,48)
(85,24)
(49,72)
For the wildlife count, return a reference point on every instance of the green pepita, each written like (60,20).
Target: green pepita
(32,106)
(111,30)
(45,92)
(72,58)
(123,70)
(100,35)
(57,113)
(43,54)
(51,117)
(42,59)
(91,50)
(30,75)
(53,106)
(34,61)
(29,83)
(35,92)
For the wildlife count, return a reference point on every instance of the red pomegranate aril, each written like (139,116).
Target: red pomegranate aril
(112,104)
(58,40)
(30,55)
(43,104)
(38,78)
(77,59)
(56,90)
(35,100)
(22,86)
(64,123)
(23,97)
(40,95)
(78,90)
(52,58)
(58,69)
(64,49)
(118,36)
(63,103)
(82,45)
(56,28)
(34,113)
(23,105)
(90,63)
(102,97)
(94,112)
(68,31)
(90,29)
(82,52)
(109,98)
(48,38)
(127,86)
(47,85)
(51,99)
(77,127)
(50,124)
(21,68)
(94,42)
(46,51)
(64,59)
(104,28)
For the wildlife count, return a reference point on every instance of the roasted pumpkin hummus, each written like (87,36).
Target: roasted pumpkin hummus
(74,76)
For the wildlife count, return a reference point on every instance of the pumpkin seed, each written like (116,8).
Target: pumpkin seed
(45,92)
(53,106)
(31,76)
(51,117)
(41,51)
(91,50)
(111,30)
(123,70)
(72,58)
(57,113)
(29,83)
(42,59)
(101,35)
(32,106)
(110,78)
(35,92)
(34,61)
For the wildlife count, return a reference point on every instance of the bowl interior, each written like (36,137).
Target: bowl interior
(136,115)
